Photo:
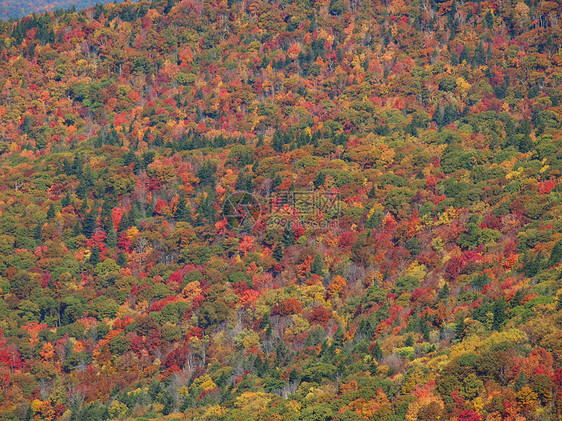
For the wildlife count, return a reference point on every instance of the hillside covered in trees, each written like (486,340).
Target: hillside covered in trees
(400,259)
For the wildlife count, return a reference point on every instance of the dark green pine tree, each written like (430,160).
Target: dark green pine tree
(66,200)
(129,158)
(111,235)
(106,208)
(460,328)
(261,366)
(169,5)
(86,183)
(375,220)
(181,209)
(318,266)
(444,292)
(77,230)
(319,179)
(521,381)
(51,212)
(82,190)
(189,216)
(556,254)
(125,223)
(499,309)
(134,214)
(269,331)
(89,223)
(532,265)
(265,321)
(424,329)
(516,299)
(40,142)
(51,37)
(338,337)
(38,232)
(27,122)
(169,404)
(206,172)
(241,181)
(372,193)
(121,259)
(206,208)
(98,10)
(158,141)
(77,166)
(409,341)
(278,142)
(112,138)
(278,252)
(288,237)
(377,352)
(94,257)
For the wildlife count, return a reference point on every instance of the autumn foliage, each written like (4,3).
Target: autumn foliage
(398,257)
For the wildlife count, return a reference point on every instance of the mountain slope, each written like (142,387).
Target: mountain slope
(395,255)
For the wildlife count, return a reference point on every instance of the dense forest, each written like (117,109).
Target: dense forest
(134,286)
